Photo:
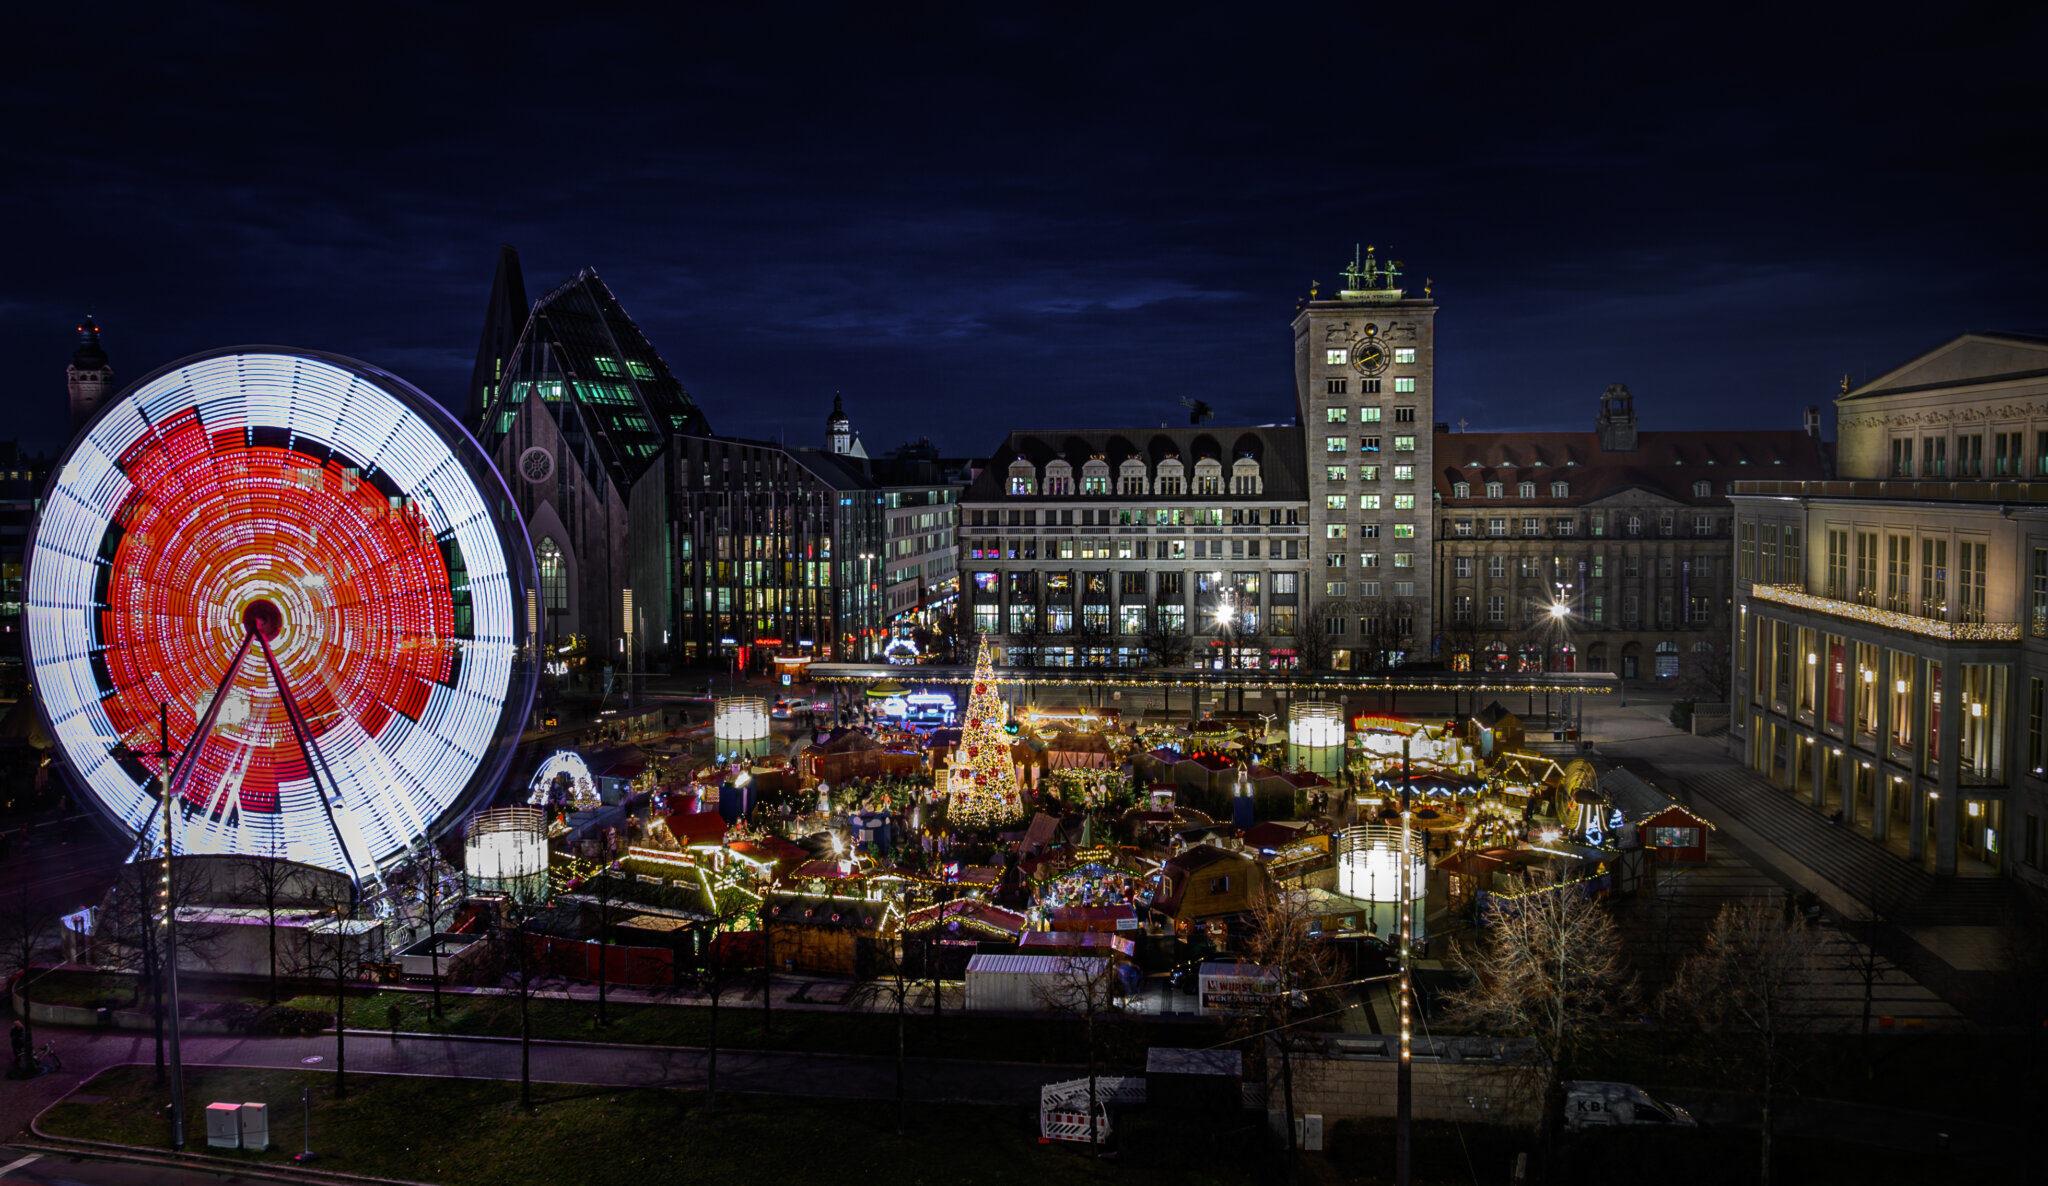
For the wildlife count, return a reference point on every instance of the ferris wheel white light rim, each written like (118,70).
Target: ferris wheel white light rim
(393,788)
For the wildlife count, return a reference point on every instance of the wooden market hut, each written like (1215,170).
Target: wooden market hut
(1494,730)
(828,936)
(1069,750)
(1655,821)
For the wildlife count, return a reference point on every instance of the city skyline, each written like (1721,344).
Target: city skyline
(915,212)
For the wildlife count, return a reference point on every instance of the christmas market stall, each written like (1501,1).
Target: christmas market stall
(1671,832)
(954,932)
(829,936)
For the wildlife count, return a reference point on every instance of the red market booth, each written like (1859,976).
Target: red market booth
(1655,821)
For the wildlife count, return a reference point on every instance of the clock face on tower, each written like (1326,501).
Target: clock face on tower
(537,465)
(1369,355)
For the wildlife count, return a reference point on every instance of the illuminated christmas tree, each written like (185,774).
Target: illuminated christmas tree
(987,793)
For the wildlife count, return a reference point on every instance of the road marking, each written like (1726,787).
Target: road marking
(11,1166)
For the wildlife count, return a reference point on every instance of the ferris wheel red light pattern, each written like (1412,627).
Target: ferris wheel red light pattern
(332,504)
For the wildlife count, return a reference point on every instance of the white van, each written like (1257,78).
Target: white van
(1589,1104)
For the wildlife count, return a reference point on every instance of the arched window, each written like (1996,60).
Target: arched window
(1131,476)
(1172,477)
(1059,478)
(1208,476)
(1461,489)
(1245,478)
(1023,477)
(1095,476)
(554,575)
(1525,490)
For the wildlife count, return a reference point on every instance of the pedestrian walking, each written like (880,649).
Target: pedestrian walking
(19,1036)
(392,1014)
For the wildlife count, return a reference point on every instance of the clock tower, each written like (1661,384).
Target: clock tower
(90,376)
(1365,390)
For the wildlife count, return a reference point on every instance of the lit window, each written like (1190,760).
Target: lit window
(1404,473)
(1404,531)
(1334,502)
(1333,473)
(1337,415)
(1368,560)
(1368,415)
(1493,490)
(1334,531)
(1368,502)
(1369,473)
(1404,354)
(1404,385)
(1335,444)
(1461,489)
(1334,560)
(1404,444)
(1404,560)
(1404,502)
(1337,357)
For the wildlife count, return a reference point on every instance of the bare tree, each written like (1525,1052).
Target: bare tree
(1085,988)
(1868,964)
(27,925)
(1748,979)
(268,877)
(1166,644)
(1313,642)
(428,869)
(602,892)
(133,920)
(892,987)
(526,962)
(722,972)
(335,950)
(1298,967)
(1549,967)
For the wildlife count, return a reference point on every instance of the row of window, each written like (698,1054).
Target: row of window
(1367,444)
(1630,526)
(1366,415)
(1023,584)
(1368,531)
(1698,610)
(1131,478)
(1368,559)
(1367,589)
(1337,356)
(2008,456)
(1884,573)
(1367,473)
(1128,619)
(1027,548)
(1558,489)
(1368,502)
(1140,517)
(1562,568)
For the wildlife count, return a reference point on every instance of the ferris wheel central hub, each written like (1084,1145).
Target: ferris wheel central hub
(262,617)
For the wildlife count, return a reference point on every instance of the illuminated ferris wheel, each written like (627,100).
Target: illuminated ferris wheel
(303,559)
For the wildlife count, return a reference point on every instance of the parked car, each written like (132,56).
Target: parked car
(1589,1104)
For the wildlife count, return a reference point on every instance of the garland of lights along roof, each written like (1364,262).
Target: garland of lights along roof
(307,541)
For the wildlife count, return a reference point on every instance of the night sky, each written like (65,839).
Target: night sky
(969,220)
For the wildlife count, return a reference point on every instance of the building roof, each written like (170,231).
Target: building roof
(599,377)
(1637,800)
(1273,835)
(1668,464)
(1043,965)
(1969,360)
(696,827)
(971,914)
(1082,940)
(841,913)
(89,356)
(1277,448)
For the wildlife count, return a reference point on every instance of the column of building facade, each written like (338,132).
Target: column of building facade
(1949,757)
(1880,770)
(1916,840)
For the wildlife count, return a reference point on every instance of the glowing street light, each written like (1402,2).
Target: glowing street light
(1559,611)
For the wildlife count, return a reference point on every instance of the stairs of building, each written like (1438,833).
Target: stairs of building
(1860,867)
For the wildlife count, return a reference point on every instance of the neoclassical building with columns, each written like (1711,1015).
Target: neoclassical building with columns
(1891,632)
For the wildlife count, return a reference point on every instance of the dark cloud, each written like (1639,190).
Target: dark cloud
(967,222)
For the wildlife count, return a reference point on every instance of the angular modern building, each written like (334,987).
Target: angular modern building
(658,541)
(1891,629)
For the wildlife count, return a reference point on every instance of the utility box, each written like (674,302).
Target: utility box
(224,1126)
(255,1126)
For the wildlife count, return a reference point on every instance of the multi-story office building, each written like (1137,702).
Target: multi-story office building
(1891,633)
(1365,394)
(1134,547)
(921,505)
(1608,550)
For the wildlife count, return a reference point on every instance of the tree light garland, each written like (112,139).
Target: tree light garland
(989,795)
